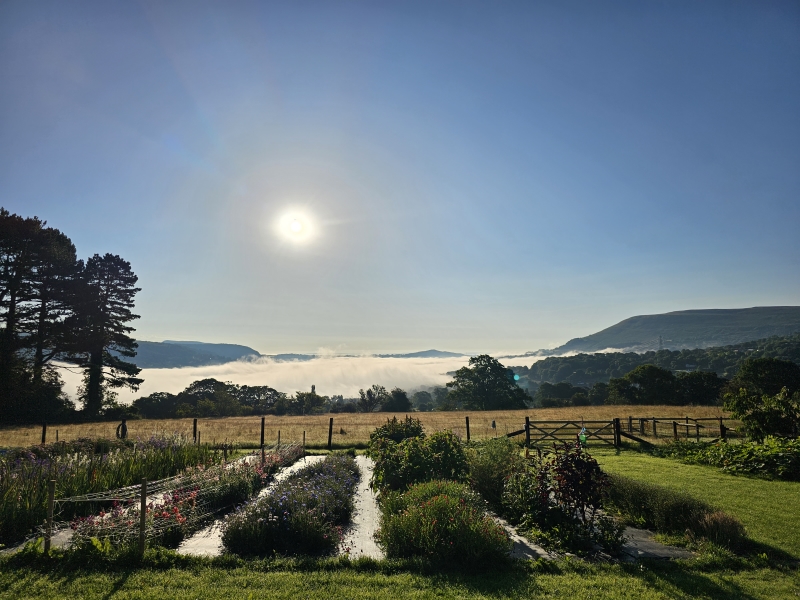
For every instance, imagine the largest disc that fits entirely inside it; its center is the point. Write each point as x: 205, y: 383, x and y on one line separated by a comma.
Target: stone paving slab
x: 640, y: 544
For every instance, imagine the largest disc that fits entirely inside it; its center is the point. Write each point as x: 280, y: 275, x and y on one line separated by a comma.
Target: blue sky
x: 469, y: 176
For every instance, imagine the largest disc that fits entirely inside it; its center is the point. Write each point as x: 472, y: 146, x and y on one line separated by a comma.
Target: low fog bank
x: 333, y: 375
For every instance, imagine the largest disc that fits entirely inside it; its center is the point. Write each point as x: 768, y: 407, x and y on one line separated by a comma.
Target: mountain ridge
x: 686, y: 329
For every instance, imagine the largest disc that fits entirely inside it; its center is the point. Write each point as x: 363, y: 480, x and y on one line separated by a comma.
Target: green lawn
x: 208, y: 580
x: 770, y: 510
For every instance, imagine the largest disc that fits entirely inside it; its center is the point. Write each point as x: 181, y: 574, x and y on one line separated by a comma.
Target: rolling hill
x: 687, y: 329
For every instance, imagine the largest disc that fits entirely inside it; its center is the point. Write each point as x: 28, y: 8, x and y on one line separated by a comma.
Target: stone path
x: 208, y: 541
x: 641, y: 544
x: 359, y: 538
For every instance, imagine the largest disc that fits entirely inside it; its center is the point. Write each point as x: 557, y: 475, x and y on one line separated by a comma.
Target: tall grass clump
x: 79, y: 470
x: 444, y: 522
x: 670, y: 511
x: 303, y: 514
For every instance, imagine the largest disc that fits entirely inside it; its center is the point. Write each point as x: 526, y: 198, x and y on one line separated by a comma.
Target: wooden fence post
x: 655, y: 433
x: 194, y: 432
x: 527, y: 432
x: 51, y: 494
x: 44, y: 433
x: 723, y: 431
x: 56, y: 436
x: 304, y: 444
x: 143, y: 517
x: 641, y: 426
x: 467, y: 418
x: 617, y: 435
x: 630, y: 424
x: 330, y: 434
x: 262, y: 432
x: 279, y: 437
x: 675, y: 430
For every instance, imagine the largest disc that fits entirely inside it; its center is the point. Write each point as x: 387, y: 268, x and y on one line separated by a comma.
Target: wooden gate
x: 549, y: 432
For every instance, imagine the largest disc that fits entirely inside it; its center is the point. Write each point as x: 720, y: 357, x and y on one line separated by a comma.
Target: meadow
x: 349, y: 429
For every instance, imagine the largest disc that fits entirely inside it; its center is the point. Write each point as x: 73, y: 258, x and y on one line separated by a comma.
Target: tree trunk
x: 94, y: 383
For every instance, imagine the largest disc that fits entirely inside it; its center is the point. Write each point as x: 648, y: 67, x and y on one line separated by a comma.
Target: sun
x: 295, y: 226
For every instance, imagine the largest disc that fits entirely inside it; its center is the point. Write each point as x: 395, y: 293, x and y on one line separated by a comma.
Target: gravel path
x: 359, y: 539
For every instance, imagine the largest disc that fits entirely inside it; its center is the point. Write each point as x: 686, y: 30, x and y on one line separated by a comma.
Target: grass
x: 349, y: 429
x: 229, y: 579
x: 768, y: 509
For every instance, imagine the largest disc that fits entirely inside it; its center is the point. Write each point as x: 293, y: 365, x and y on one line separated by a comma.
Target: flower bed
x: 84, y: 467
x: 196, y: 497
x: 302, y: 515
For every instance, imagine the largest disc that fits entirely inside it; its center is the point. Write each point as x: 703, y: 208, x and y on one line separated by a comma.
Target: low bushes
x: 775, y: 457
x: 444, y: 522
x: 671, y: 511
x: 417, y: 459
x: 559, y: 499
x: 490, y: 465
x: 397, y: 430
x: 301, y: 515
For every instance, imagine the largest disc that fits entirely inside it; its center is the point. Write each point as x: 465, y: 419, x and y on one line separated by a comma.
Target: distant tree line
x: 57, y: 308
x: 650, y: 385
x: 584, y: 370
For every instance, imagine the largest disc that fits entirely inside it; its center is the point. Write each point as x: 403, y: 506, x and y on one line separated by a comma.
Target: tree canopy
x: 486, y: 385
x: 56, y: 307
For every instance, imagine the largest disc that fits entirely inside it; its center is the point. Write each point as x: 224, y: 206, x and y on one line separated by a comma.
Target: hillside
x: 172, y: 354
x: 587, y: 369
x: 688, y: 329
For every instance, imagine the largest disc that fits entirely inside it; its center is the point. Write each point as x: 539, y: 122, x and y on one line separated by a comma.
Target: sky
x: 358, y: 177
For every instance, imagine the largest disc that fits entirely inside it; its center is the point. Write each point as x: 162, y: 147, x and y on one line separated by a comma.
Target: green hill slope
x: 689, y: 329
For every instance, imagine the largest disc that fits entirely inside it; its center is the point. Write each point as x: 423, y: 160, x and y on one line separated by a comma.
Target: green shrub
x: 775, y: 457
x: 418, y: 459
x: 670, y: 511
x: 397, y: 431
x: 490, y: 465
x: 447, y: 528
x: 559, y: 498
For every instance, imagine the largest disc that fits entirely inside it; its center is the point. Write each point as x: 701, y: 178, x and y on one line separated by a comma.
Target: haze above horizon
x: 385, y: 178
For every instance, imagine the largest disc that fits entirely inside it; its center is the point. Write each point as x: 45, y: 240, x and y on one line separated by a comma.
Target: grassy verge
x: 768, y: 509
x: 166, y: 575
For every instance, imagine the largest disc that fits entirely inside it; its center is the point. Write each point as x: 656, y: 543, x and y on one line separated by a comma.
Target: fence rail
x: 546, y: 432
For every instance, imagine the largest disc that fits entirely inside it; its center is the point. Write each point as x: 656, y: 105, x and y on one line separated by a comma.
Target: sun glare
x: 295, y: 226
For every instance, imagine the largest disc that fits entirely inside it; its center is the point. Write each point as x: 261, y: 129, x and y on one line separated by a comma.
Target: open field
x: 768, y: 509
x: 349, y: 429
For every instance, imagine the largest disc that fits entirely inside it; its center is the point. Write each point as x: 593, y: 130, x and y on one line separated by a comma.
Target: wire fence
x: 163, y: 512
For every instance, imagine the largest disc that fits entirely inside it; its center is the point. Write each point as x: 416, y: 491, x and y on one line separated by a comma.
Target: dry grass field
x: 349, y: 429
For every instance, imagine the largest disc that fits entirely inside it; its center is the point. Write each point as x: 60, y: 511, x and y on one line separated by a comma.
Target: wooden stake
x: 262, y: 432
x: 527, y: 432
x: 143, y: 517
x: 467, y: 418
x: 44, y: 433
x: 51, y: 495
x: 330, y: 434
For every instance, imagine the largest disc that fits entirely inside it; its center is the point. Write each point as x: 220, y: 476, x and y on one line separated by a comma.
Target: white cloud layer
x: 331, y: 375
